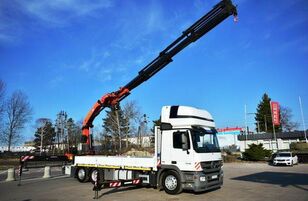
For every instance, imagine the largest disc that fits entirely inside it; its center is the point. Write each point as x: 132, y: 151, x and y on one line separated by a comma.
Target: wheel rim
x: 171, y: 182
x: 94, y: 175
x: 81, y: 174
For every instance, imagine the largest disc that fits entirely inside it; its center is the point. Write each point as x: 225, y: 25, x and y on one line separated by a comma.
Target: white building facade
x: 228, y: 137
x: 17, y: 148
x: 282, y: 141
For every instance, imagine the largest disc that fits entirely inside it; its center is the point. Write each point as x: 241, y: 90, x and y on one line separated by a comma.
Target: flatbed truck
x: 187, y: 156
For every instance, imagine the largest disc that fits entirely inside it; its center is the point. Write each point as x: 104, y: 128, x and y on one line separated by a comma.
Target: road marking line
x: 3, y: 172
x: 40, y: 178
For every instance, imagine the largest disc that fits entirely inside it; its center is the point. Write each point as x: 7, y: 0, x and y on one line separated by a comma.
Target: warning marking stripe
x: 136, y: 181
x: 158, y: 163
x: 24, y: 158
x: 198, y: 166
x: 115, y: 184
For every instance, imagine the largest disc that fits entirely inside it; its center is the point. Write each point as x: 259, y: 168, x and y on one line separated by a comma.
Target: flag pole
x: 245, y: 127
x: 302, y: 113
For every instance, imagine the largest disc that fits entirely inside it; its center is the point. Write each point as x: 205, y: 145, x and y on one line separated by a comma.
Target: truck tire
x: 172, y: 182
x: 93, y: 175
x: 82, y: 174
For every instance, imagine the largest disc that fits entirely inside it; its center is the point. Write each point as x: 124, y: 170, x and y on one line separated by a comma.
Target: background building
x: 228, y: 137
x: 17, y: 148
x: 284, y: 139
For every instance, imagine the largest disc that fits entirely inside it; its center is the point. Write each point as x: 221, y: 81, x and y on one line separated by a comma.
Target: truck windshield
x: 205, y: 140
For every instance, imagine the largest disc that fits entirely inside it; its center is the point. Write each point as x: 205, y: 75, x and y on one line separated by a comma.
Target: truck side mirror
x: 185, y: 144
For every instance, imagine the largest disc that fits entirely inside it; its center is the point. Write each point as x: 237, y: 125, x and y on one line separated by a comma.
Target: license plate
x: 214, y: 177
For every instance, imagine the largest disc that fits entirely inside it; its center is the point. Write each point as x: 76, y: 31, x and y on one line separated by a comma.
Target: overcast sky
x: 66, y: 54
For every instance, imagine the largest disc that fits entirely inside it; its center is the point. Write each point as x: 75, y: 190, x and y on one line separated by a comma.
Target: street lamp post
x: 142, y: 128
x: 258, y: 123
x: 42, y: 136
x: 42, y: 122
x: 119, y: 129
x: 245, y: 126
x: 302, y: 113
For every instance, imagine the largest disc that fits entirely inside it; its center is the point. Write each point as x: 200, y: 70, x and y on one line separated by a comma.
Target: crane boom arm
x: 220, y: 12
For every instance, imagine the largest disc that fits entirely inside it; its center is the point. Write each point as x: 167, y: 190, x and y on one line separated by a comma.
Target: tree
x: 106, y: 141
x: 115, y: 125
x: 17, y: 113
x: 73, y: 133
x: 131, y: 113
x: 156, y: 122
x: 45, y: 134
x: 264, y: 117
x: 60, y: 128
x: 256, y: 152
x: 286, y: 119
x: 2, y: 96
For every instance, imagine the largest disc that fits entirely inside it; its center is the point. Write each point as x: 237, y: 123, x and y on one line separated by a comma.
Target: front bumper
x: 200, y: 181
x: 285, y: 162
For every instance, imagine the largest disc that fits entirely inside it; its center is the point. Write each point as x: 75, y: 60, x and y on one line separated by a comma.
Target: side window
x: 177, y: 139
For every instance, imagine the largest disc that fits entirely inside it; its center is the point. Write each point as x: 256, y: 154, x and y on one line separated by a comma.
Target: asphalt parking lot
x: 243, y: 181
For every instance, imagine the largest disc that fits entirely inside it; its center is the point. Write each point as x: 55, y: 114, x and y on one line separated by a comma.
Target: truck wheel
x: 93, y: 175
x: 172, y: 182
x: 82, y: 174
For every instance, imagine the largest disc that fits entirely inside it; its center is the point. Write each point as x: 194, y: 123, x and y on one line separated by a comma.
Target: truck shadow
x: 117, y: 190
x: 29, y: 181
x: 283, y: 179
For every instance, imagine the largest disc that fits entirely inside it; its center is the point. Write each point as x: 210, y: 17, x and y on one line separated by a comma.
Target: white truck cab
x: 187, y: 155
x: 190, y: 147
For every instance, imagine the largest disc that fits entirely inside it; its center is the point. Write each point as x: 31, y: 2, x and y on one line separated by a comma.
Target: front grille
x: 211, y: 166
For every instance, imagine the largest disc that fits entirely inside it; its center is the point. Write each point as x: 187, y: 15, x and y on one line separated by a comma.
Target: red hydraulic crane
x: 220, y: 12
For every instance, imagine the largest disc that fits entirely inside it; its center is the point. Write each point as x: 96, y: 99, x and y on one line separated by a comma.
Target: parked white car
x: 285, y: 158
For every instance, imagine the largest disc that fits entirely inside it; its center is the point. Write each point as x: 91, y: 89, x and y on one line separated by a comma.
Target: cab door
x: 177, y: 149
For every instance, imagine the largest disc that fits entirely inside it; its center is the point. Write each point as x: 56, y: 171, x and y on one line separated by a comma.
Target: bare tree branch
x: 132, y: 111
x: 286, y: 119
x: 17, y: 113
x: 2, y: 96
x: 131, y: 114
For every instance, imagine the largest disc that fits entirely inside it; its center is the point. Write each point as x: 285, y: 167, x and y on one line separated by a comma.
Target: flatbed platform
x: 117, y: 162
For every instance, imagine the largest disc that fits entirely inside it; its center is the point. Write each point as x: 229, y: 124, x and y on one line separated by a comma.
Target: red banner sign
x: 275, y: 113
